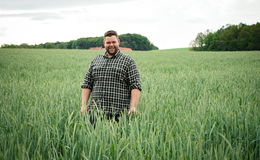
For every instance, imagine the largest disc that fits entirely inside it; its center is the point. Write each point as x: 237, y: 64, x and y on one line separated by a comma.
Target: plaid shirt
x: 111, y: 81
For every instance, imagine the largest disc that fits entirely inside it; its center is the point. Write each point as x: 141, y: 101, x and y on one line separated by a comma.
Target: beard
x: 112, y: 50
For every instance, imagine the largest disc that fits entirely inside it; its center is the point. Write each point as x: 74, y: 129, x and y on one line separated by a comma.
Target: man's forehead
x: 111, y: 38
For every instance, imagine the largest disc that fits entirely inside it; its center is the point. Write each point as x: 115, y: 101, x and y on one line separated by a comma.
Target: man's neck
x: 109, y: 55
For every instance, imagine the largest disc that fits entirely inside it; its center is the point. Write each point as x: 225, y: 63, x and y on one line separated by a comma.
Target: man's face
x: 111, y: 44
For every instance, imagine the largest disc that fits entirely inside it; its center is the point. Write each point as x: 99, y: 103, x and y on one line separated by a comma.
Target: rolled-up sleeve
x: 88, y: 79
x: 134, y: 76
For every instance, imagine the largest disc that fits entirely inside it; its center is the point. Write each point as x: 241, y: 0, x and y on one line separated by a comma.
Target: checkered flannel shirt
x: 111, y: 81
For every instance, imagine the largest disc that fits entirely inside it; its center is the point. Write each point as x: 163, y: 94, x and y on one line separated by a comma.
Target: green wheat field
x: 194, y: 105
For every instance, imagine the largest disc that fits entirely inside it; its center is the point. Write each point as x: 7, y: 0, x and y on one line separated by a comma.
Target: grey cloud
x: 49, y: 4
x: 34, y: 16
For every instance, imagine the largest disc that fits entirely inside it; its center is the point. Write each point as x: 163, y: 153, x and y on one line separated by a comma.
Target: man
x: 113, y: 81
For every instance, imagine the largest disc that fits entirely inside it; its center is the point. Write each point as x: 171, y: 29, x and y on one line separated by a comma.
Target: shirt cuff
x: 135, y: 86
x: 86, y: 86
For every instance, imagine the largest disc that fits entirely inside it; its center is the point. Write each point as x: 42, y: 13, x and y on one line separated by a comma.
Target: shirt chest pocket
x: 116, y: 73
x: 109, y: 73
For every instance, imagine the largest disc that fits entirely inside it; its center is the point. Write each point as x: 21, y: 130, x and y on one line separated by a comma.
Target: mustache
x: 115, y: 49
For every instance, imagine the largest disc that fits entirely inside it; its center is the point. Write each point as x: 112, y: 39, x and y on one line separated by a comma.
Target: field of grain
x: 194, y: 105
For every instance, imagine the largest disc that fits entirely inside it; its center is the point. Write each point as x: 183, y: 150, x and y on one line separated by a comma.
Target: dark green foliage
x: 133, y: 41
x: 229, y: 38
x: 86, y: 43
x: 136, y: 42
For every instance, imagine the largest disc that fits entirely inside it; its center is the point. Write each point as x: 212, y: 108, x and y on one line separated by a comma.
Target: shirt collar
x: 118, y: 53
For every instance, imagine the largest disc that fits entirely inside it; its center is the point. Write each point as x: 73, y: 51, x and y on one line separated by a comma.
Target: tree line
x: 133, y: 41
x: 229, y: 38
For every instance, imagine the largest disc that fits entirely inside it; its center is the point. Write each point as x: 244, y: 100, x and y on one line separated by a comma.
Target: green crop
x: 194, y: 105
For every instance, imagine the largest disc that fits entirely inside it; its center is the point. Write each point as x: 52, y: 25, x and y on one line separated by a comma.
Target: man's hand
x: 84, y: 102
x: 135, y: 94
x: 84, y: 109
x: 132, y: 110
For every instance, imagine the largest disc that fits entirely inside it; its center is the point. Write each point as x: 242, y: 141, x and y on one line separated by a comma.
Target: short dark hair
x: 110, y: 33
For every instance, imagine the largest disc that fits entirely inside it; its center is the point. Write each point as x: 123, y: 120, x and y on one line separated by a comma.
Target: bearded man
x: 112, y: 80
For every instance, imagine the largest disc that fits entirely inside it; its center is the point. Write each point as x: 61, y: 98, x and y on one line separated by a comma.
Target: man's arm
x: 135, y: 94
x: 85, y: 96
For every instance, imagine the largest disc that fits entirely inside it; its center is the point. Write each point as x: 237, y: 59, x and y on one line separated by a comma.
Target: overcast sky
x: 166, y: 23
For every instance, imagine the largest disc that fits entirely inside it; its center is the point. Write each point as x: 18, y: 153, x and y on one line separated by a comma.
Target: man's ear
x: 118, y: 40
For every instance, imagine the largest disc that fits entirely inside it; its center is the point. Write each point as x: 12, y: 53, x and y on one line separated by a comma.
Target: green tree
x: 49, y: 45
x: 136, y: 42
x: 199, y: 42
x: 229, y: 38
